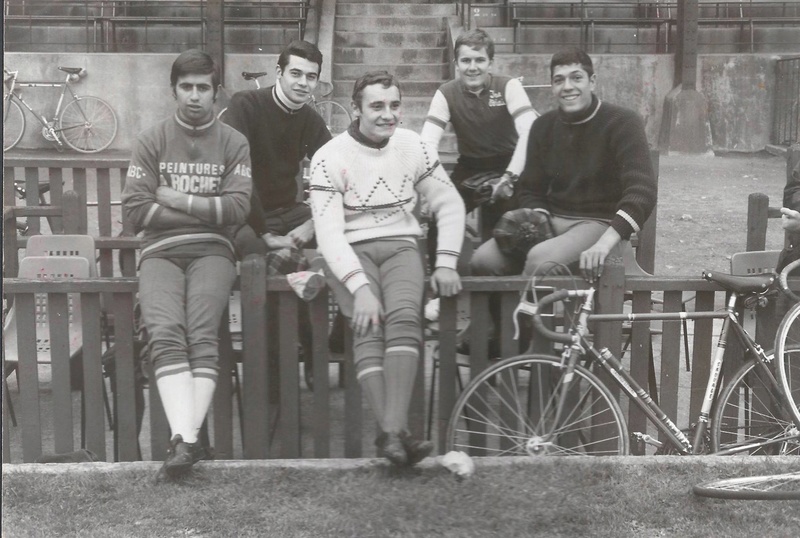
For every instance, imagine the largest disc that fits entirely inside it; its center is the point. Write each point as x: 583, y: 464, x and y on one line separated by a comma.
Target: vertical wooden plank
x: 416, y: 411
x: 353, y: 416
x: 670, y: 357
x: 70, y: 203
x: 79, y: 186
x: 289, y: 430
x: 757, y: 219
x: 507, y: 390
x: 254, y: 350
x: 478, y: 361
x: 29, y: 413
x: 32, y: 198
x: 640, y: 348
x: 56, y: 194
x: 320, y: 418
x: 58, y: 320
x: 9, y: 193
x: 125, y: 430
x: 6, y: 421
x: 93, y: 374
x: 448, y: 314
x: 223, y: 396
x: 104, y: 219
x: 10, y: 246
x: 701, y: 352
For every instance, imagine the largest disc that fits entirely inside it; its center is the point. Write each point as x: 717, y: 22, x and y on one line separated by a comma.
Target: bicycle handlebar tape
x: 538, y: 324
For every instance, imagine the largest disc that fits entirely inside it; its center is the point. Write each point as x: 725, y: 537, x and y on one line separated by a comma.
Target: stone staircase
x: 408, y: 39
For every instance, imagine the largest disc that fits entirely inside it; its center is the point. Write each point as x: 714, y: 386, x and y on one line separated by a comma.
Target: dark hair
x: 475, y: 39
x: 301, y: 49
x: 572, y: 56
x: 195, y: 62
x: 386, y: 79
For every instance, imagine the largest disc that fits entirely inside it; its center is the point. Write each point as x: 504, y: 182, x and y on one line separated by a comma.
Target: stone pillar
x: 684, y: 125
x: 216, y: 32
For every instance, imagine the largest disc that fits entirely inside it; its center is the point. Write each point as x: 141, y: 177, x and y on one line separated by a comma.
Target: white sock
x: 203, y: 395
x: 177, y: 392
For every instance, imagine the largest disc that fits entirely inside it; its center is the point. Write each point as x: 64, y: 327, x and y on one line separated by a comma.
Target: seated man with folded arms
x: 588, y: 167
x: 491, y: 116
x: 364, y: 189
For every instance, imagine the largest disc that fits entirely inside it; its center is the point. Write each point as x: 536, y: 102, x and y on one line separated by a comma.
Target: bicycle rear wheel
x: 88, y: 124
x: 13, y: 123
x: 751, y: 417
x: 787, y: 344
x: 336, y: 117
x: 510, y: 410
x: 776, y: 487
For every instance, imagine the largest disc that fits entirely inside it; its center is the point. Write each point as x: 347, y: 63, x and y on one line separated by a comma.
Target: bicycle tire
x: 13, y: 123
x: 496, y: 417
x: 749, y: 414
x: 221, y: 113
x: 87, y: 124
x: 337, y: 117
x: 787, y: 342
x: 783, y: 278
x: 776, y: 487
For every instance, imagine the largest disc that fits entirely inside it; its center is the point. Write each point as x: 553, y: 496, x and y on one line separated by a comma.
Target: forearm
x: 523, y: 125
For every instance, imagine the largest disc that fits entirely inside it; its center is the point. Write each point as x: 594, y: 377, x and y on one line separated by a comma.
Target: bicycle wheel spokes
x: 13, y: 123
x: 787, y: 354
x: 512, y: 409
x: 784, y: 486
x: 88, y: 124
x: 336, y: 116
x: 751, y: 417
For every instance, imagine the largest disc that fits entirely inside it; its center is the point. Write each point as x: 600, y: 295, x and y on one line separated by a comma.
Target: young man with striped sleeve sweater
x: 365, y: 184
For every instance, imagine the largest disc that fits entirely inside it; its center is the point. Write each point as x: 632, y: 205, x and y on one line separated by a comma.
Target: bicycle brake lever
x: 526, y: 308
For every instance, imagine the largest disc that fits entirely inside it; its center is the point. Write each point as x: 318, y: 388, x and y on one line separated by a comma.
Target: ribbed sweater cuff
x: 447, y: 260
x: 624, y: 224
x: 356, y: 281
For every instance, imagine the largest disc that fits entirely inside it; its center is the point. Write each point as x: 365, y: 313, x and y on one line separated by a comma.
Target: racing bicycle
x: 85, y: 123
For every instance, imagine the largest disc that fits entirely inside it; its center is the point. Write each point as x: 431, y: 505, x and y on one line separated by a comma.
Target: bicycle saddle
x: 742, y: 284
x: 247, y: 75
x: 71, y: 70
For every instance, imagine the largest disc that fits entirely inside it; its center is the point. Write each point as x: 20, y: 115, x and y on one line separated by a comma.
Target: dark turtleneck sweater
x: 594, y: 164
x: 279, y: 139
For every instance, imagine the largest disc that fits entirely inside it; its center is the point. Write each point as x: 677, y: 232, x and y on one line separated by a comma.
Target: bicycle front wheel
x: 751, y: 416
x: 787, y: 344
x: 88, y: 124
x: 511, y: 409
x: 13, y: 123
x: 776, y: 487
x: 336, y: 117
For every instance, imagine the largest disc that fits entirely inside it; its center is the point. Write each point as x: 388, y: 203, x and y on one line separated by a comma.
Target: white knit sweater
x: 360, y: 193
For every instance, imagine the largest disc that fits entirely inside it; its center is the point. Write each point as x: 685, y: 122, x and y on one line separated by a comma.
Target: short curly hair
x: 384, y: 78
x: 195, y: 62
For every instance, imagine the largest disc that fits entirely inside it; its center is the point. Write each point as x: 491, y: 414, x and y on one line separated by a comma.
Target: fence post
x: 71, y: 209
x: 254, y: 352
x: 757, y: 217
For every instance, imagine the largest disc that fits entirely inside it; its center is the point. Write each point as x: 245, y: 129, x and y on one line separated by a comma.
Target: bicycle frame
x: 579, y: 346
x: 48, y: 125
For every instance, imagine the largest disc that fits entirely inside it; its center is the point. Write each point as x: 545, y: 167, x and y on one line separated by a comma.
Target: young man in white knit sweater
x: 364, y: 187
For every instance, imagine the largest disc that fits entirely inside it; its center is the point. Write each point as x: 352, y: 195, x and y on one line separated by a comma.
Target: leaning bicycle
x: 545, y: 405
x: 85, y: 123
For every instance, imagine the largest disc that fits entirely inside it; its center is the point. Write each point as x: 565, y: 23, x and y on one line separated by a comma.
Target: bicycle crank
x: 538, y: 446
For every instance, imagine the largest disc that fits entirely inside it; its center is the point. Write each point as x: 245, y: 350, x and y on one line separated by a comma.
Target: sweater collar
x: 194, y: 128
x: 356, y: 133
x: 285, y: 104
x: 583, y: 116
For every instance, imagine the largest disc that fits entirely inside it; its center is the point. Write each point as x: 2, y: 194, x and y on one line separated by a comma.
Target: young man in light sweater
x: 365, y: 184
x: 188, y: 186
x: 588, y: 167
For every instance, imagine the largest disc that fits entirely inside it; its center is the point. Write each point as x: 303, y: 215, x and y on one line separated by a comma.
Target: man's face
x: 572, y: 87
x: 473, y: 67
x: 195, y: 96
x: 379, y: 112
x: 298, y: 79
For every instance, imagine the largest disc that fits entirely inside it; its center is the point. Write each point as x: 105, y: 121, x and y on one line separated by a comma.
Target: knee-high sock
x: 369, y: 372
x: 400, y: 371
x: 176, y: 390
x: 205, y: 382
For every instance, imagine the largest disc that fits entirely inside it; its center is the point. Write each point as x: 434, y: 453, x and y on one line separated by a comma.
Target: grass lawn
x: 642, y: 497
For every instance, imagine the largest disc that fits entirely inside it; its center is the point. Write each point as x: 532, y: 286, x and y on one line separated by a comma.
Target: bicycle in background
x: 545, y: 405
x: 86, y: 123
x: 337, y: 117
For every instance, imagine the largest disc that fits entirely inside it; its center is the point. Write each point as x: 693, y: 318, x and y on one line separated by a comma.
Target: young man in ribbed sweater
x: 365, y: 184
x: 188, y: 186
x: 588, y: 167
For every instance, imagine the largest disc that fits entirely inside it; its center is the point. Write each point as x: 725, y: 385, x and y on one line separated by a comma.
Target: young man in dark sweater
x: 282, y: 131
x: 588, y: 167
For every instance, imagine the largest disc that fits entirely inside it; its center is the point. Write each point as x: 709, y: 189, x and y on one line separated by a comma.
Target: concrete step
x: 428, y: 55
x: 403, y: 71
x: 410, y: 88
x: 395, y: 9
x: 389, y: 39
x: 390, y: 24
